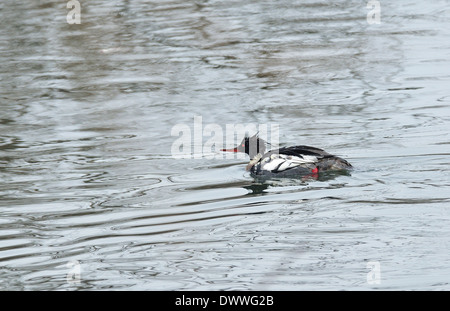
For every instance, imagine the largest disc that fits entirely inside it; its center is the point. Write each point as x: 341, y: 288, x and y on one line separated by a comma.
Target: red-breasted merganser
x: 287, y: 161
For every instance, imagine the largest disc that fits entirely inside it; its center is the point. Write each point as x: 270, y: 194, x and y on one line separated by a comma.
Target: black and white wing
x: 292, y: 157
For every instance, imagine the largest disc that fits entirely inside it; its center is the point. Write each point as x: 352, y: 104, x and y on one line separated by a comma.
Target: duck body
x: 296, y: 161
x: 288, y: 161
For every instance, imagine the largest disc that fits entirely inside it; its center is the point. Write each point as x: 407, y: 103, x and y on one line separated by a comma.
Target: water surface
x: 88, y: 186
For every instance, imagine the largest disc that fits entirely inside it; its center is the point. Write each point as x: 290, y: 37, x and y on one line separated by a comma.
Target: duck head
x: 250, y: 145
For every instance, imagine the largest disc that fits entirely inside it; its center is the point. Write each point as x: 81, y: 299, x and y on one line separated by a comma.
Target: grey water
x: 91, y: 197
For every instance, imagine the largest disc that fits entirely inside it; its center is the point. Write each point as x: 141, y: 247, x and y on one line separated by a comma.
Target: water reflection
x: 256, y: 188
